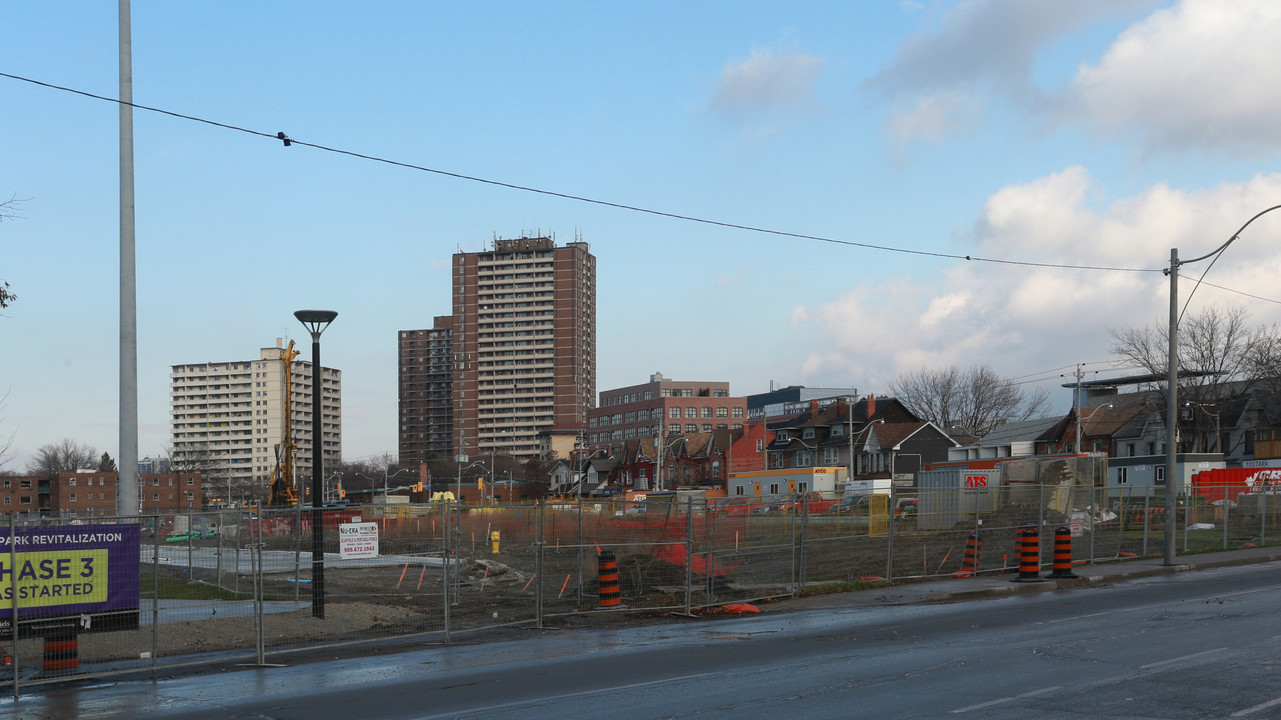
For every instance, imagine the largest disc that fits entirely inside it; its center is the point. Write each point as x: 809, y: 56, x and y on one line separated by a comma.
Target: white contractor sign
x: 357, y: 540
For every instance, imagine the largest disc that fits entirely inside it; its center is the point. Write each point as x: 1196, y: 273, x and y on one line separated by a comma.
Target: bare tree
x: 1217, y: 341
x: 6, y: 443
x: 8, y: 211
x: 195, y: 457
x: 64, y: 457
x: 974, y: 401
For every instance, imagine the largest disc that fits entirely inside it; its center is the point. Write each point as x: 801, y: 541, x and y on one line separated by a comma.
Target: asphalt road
x: 1199, y: 644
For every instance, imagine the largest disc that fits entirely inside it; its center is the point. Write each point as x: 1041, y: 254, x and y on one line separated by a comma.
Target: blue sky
x: 1085, y: 133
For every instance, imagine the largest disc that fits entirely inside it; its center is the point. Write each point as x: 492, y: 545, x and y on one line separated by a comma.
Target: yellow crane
x: 282, y: 478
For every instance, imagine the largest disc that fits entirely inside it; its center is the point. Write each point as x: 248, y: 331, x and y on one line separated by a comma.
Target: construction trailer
x: 788, y: 481
x: 954, y: 493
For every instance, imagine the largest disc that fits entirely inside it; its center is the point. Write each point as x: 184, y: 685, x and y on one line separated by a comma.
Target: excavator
x: 282, y: 491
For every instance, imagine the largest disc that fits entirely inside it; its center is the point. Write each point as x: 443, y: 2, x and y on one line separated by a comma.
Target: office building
x: 677, y: 406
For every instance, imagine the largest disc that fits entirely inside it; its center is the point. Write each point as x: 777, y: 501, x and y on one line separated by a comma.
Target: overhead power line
x: 289, y: 141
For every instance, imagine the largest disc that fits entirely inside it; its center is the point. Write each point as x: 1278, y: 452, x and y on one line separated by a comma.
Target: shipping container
x: 1227, y: 483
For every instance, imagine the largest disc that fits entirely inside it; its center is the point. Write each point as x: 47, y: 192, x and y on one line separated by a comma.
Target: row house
x: 1245, y: 430
x: 700, y: 459
x: 868, y: 437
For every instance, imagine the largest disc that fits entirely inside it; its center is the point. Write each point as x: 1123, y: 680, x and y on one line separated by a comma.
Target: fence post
x: 1094, y: 512
x: 1186, y: 508
x: 445, y: 533
x: 297, y: 545
x: 250, y: 529
x: 803, y: 570
x: 791, y: 522
x: 1263, y: 519
x: 580, y: 552
x: 689, y: 555
x: 155, y: 595
x: 13, y: 596
x: 260, y: 640
x: 709, y: 546
x: 1040, y: 512
x: 889, y: 537
x: 1147, y: 518
x: 1226, y: 511
x: 539, y: 544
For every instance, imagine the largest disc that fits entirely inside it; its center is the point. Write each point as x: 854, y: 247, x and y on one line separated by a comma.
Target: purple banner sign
x: 70, y: 578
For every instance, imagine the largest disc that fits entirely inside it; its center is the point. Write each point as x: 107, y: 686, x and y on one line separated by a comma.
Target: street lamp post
x: 459, y: 498
x: 1213, y: 416
x: 459, y: 459
x: 316, y: 321
x: 334, y: 494
x: 385, y: 478
x: 1081, y: 420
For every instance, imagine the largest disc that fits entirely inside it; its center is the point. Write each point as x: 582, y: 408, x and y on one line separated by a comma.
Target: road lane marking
x: 1161, y: 604
x: 1003, y: 700
x: 1256, y: 708
x: 1171, y: 661
x: 563, y: 696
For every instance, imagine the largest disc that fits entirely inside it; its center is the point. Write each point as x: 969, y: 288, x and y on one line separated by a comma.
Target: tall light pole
x: 127, y: 482
x: 316, y: 321
x: 1172, y: 382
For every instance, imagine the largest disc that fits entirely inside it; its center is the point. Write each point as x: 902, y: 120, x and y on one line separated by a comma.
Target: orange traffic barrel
x: 1029, y: 547
x: 61, y: 654
x: 1063, y: 554
x: 970, y: 563
x: 611, y: 594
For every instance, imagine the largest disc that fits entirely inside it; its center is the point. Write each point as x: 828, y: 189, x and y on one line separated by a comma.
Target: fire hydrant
x: 493, y: 543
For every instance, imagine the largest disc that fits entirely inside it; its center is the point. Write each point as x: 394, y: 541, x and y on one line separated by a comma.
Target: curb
x: 999, y: 585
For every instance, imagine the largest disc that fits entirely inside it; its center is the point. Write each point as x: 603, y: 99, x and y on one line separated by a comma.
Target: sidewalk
x: 995, y: 584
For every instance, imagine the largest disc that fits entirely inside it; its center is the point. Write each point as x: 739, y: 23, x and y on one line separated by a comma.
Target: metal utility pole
x: 1172, y: 380
x: 849, y: 477
x: 1171, y: 411
x: 127, y: 479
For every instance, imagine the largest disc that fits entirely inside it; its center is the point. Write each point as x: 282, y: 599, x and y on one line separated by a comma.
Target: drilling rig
x: 282, y: 491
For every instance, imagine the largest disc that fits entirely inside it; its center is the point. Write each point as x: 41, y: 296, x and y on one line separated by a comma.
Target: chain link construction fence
x: 128, y: 595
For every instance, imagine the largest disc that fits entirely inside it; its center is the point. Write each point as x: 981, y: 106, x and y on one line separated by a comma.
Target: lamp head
x: 315, y: 320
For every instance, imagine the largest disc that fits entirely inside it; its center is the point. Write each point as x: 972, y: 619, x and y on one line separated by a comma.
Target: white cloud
x: 766, y: 85
x: 931, y: 117
x: 1199, y: 74
x: 942, y: 79
x: 1023, y: 319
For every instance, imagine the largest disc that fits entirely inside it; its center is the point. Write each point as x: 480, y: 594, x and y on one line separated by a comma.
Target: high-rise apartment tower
x: 523, y: 334
x: 227, y: 418
x: 426, y: 391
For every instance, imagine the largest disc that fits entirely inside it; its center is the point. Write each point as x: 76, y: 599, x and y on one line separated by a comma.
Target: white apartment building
x: 227, y: 418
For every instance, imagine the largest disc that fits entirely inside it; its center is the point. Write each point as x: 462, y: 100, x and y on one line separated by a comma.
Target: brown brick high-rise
x: 524, y: 346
